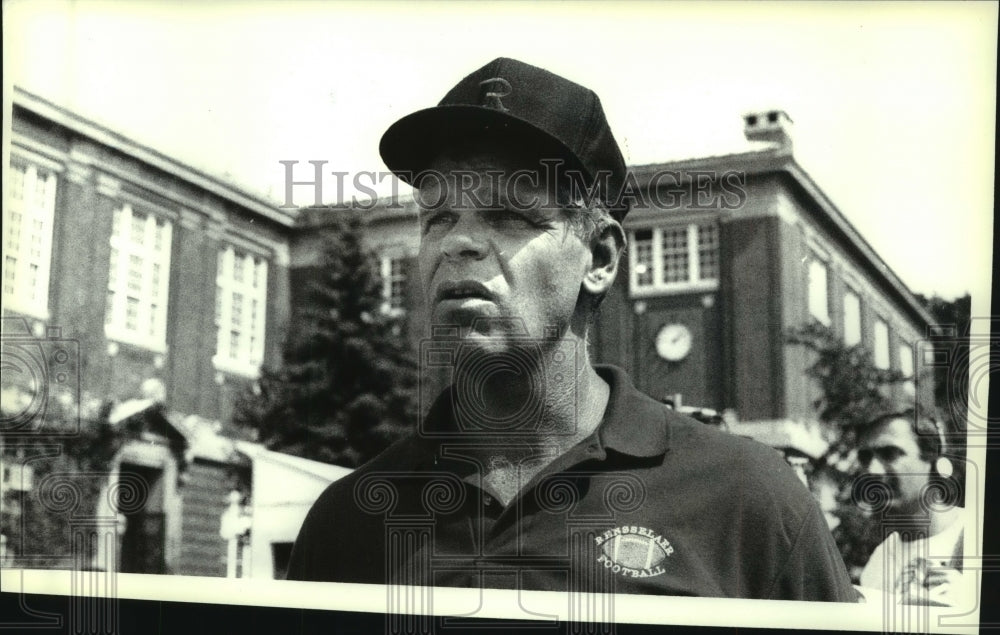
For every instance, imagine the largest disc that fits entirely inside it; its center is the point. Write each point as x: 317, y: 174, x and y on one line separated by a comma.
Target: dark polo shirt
x: 652, y: 502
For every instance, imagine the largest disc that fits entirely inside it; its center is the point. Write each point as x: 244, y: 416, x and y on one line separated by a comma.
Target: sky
x: 894, y: 104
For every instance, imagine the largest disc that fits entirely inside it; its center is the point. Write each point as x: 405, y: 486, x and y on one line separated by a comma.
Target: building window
x: 281, y: 554
x: 240, y: 301
x: 819, y: 306
x: 138, y: 278
x: 852, y: 318
x: 393, y: 272
x: 28, y: 219
x: 674, y: 258
x: 675, y: 255
x: 17, y: 477
x: 906, y: 367
x: 708, y: 252
x: 642, y: 271
x: 881, y: 356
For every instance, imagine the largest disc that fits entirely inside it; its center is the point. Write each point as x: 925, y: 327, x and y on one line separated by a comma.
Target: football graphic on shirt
x: 633, y: 551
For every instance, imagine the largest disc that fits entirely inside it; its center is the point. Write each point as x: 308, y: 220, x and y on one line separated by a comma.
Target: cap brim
x: 411, y: 144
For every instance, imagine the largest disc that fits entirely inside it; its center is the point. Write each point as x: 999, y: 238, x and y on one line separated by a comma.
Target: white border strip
x: 502, y: 604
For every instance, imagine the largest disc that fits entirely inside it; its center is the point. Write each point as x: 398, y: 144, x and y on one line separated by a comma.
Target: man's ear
x: 606, y: 250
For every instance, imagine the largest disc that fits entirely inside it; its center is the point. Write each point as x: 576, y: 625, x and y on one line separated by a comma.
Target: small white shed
x: 284, y: 488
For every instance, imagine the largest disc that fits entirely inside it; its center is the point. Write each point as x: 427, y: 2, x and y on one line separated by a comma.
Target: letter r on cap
x: 491, y: 98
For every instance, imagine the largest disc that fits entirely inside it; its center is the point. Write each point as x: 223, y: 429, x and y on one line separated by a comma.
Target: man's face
x: 486, y: 253
x: 890, y: 452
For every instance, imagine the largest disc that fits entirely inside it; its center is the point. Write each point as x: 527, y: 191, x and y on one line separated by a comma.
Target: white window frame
x: 385, y: 271
x: 848, y: 340
x: 906, y: 367
x: 252, y: 326
x: 821, y: 311
x: 16, y: 476
x: 27, y: 257
x: 880, y: 343
x: 658, y: 286
x: 153, y: 255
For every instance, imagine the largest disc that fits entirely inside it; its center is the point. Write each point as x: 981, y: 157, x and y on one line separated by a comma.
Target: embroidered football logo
x: 635, y: 552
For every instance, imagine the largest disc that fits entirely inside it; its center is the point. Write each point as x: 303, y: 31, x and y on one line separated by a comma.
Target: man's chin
x: 470, y: 319
x: 481, y: 331
x: 479, y: 334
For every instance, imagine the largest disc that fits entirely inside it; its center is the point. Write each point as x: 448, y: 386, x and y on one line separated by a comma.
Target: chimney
x: 769, y: 125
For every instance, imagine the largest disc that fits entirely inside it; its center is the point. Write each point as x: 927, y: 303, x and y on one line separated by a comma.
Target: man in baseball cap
x: 513, y: 104
x: 536, y: 469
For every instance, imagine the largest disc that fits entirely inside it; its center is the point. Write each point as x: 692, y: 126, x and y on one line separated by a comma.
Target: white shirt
x: 899, y: 567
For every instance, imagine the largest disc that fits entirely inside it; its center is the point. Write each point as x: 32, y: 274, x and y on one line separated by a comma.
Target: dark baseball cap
x: 508, y: 101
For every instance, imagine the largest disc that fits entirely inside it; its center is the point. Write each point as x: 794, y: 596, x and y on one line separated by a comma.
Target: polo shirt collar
x: 633, y: 423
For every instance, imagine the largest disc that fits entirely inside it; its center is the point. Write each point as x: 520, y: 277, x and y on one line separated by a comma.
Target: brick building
x: 157, y: 269
x: 722, y: 264
x: 132, y: 279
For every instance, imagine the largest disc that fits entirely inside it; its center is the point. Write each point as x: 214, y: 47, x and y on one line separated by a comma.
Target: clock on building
x: 673, y: 342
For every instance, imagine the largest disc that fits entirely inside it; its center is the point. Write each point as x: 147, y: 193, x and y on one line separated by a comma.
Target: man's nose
x: 465, y: 239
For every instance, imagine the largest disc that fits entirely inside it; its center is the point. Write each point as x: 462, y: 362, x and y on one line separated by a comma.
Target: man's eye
x: 510, y: 218
x: 438, y: 220
x: 889, y: 454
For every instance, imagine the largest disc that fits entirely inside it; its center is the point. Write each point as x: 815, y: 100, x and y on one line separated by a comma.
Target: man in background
x: 921, y: 563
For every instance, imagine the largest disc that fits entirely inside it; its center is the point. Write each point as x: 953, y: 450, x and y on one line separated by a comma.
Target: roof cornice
x: 118, y: 142
x: 832, y: 214
x: 778, y: 159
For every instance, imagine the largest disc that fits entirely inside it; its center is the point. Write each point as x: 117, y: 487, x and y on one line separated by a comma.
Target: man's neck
x: 547, y: 393
x: 938, y: 521
x: 544, y: 414
x: 942, y: 520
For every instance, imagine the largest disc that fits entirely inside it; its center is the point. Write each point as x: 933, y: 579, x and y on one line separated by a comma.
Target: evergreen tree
x: 346, y: 387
